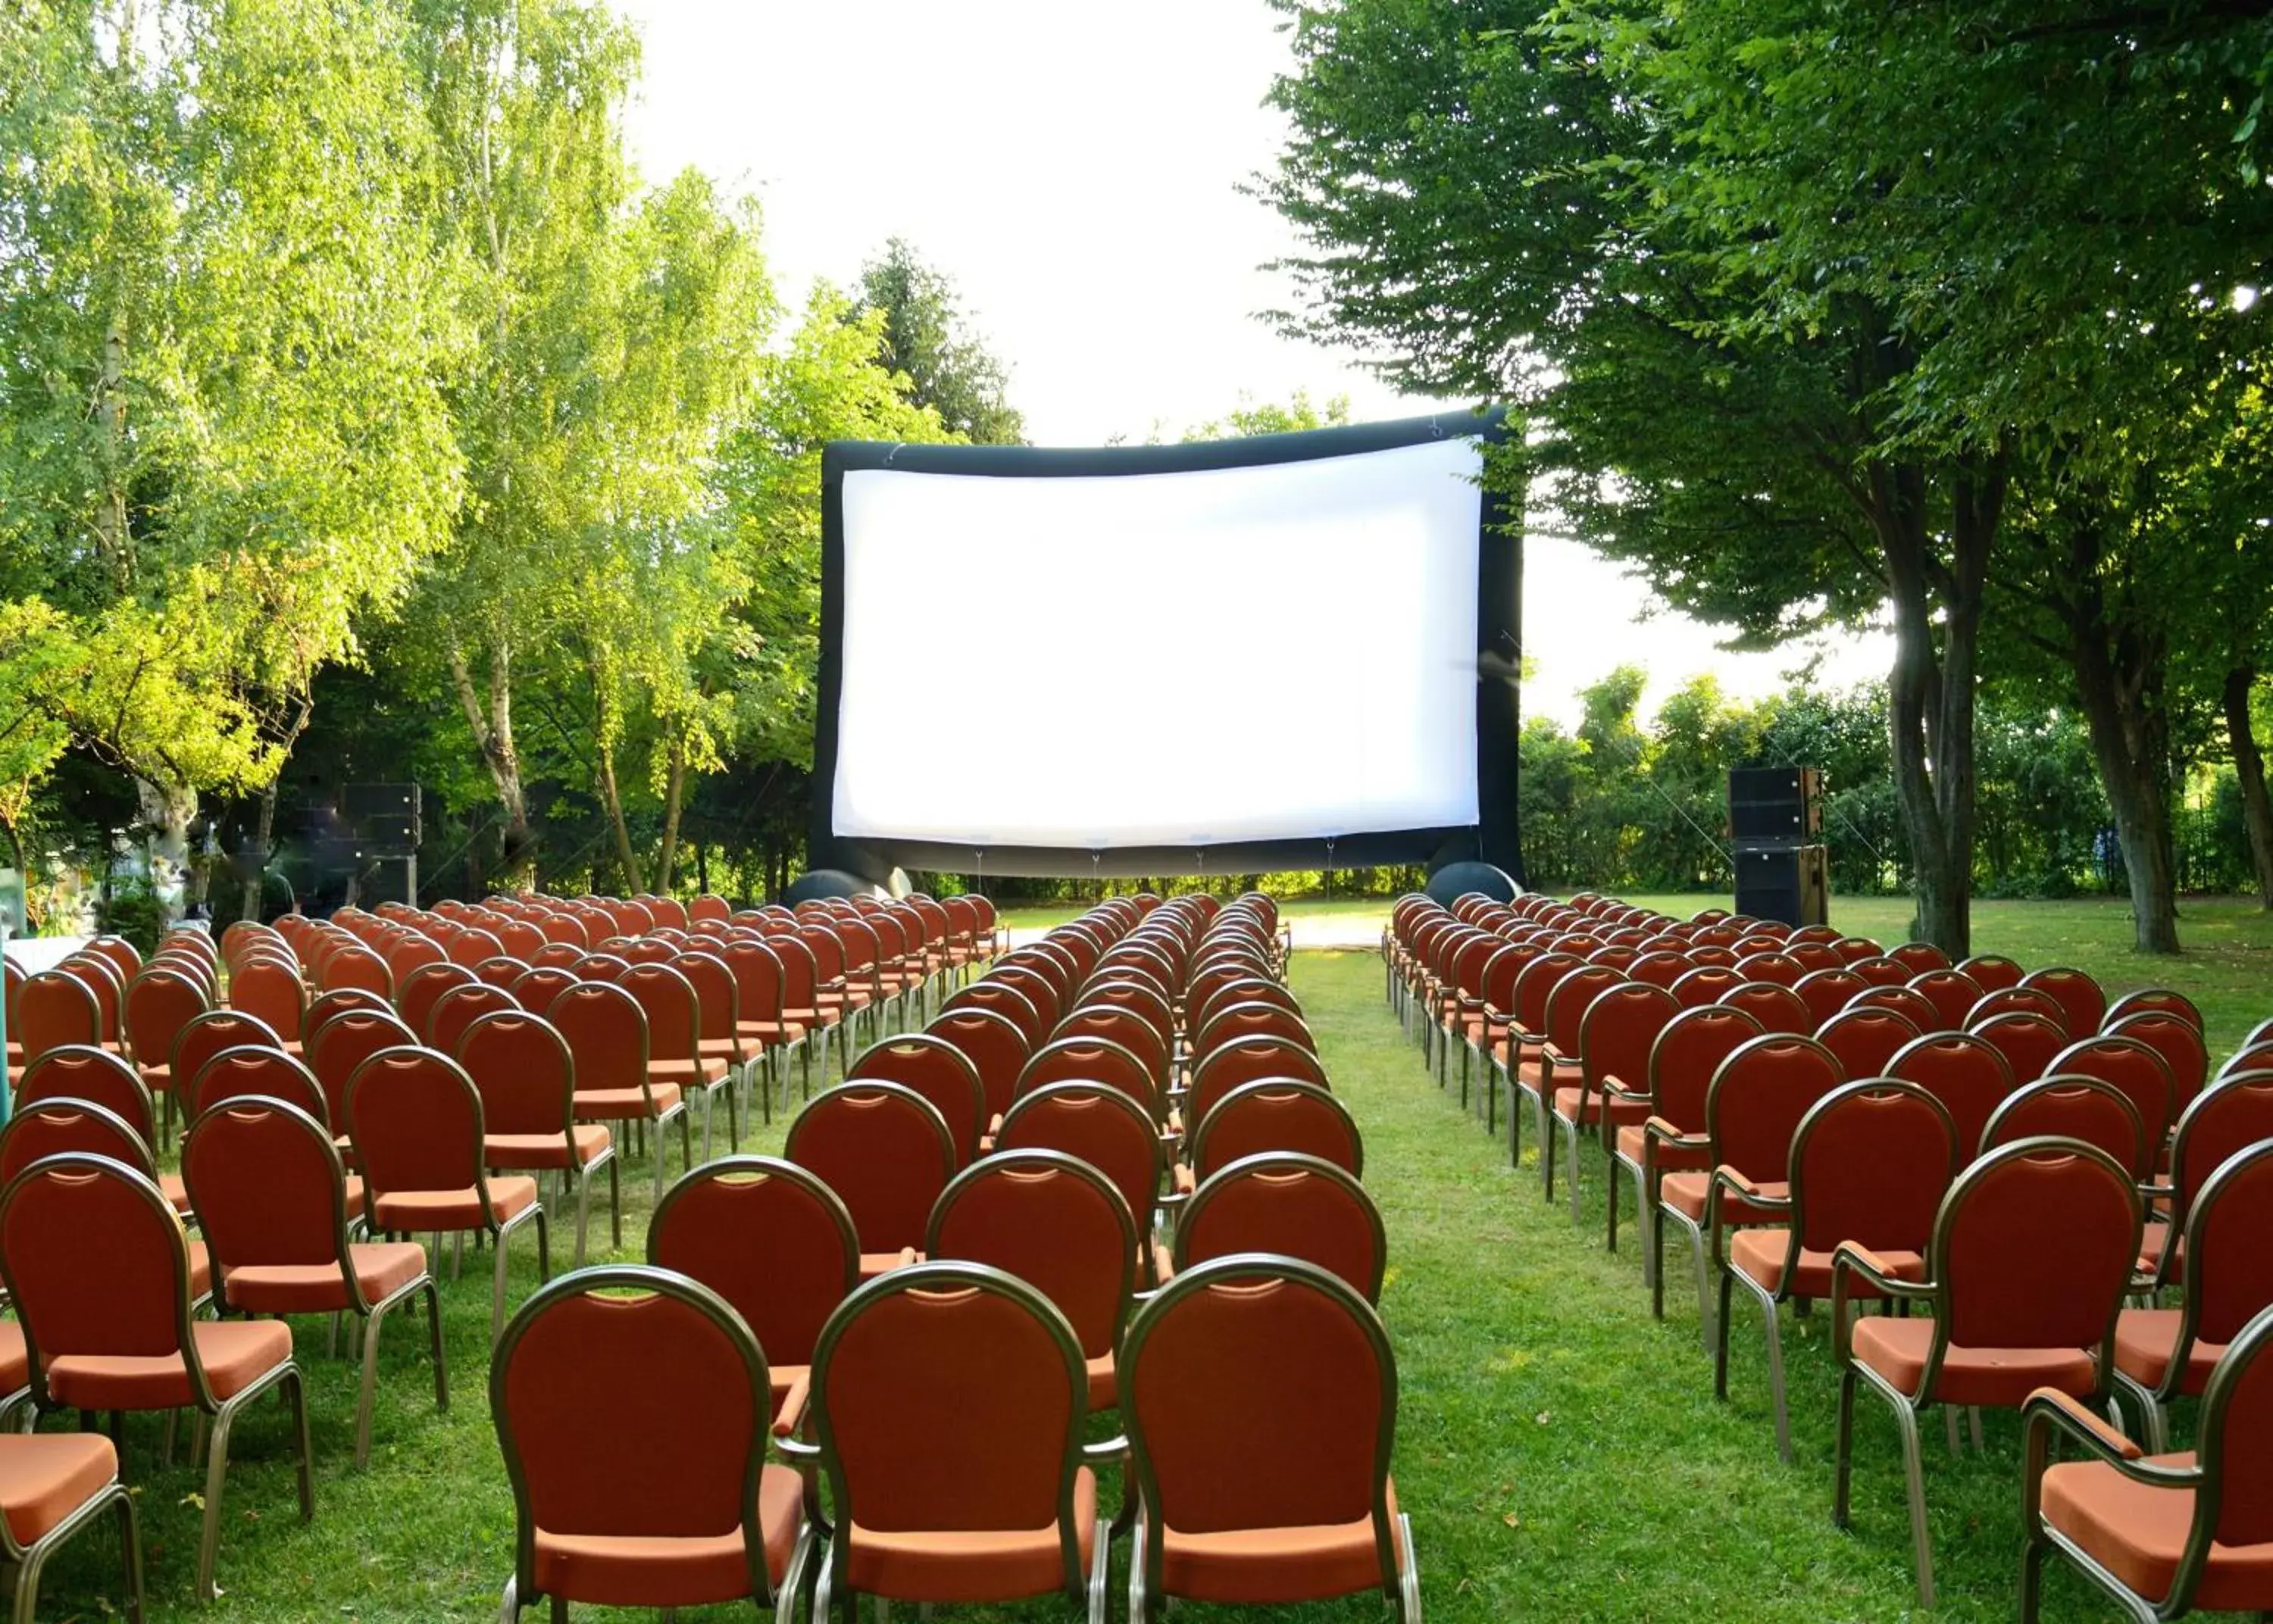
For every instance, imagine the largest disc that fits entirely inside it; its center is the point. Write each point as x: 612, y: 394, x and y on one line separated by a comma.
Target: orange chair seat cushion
x: 1999, y: 1377
x: 953, y: 1565
x: 875, y: 1263
x: 680, y: 1074
x: 1184, y: 1178
x: 417, y: 1210
x: 769, y: 1032
x: 158, y: 1079
x: 1103, y: 1383
x: 382, y: 1269
x: 45, y: 1477
x: 2136, y: 1532
x: 661, y: 1571
x: 807, y: 1019
x: 2145, y: 1338
x: 1761, y: 1254
x: 1671, y: 1158
x: 235, y: 1354
x: 546, y: 1150
x: 1266, y: 1567
x: 177, y: 1192
x: 1537, y: 1074
x: 732, y: 1051
x: 15, y: 1357
x: 623, y: 1105
x: 1686, y: 1191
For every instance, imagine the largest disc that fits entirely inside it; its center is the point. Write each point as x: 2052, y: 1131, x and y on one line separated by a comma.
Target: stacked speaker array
x: 1775, y: 827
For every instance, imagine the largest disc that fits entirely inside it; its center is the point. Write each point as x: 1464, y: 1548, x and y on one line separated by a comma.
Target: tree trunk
x: 612, y: 800
x: 166, y: 810
x: 1930, y: 692
x: 2249, y: 768
x: 256, y: 888
x: 673, y: 797
x: 703, y: 868
x: 492, y: 729
x: 2118, y: 676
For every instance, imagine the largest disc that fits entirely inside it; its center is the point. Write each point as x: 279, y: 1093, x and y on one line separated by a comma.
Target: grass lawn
x: 1560, y: 1453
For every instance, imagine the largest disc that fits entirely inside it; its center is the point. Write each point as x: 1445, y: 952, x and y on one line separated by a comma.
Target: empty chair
x: 2030, y: 1042
x: 947, y: 1404
x: 2032, y: 1254
x: 1966, y: 1072
x: 776, y: 1244
x: 98, y: 1268
x: 333, y: 1049
x: 2005, y: 1000
x: 56, y: 1124
x: 2164, y: 1000
x: 994, y: 1044
x: 51, y: 1009
x: 1952, y: 993
x: 886, y: 1153
x: 1085, y: 1059
x: 1914, y: 1006
x: 416, y: 1118
x: 51, y: 1488
x: 2177, y: 1040
x: 2225, y: 1280
x: 459, y: 1007
x: 1777, y: 1009
x: 1058, y: 1224
x: 270, y: 1200
x: 606, y: 1033
x: 2166, y: 1536
x: 253, y: 1068
x: 1991, y: 971
x: 521, y: 1068
x: 2137, y: 1070
x: 160, y: 1002
x: 1866, y: 1038
x: 1275, y: 1114
x: 1102, y: 1125
x: 2084, y: 1109
x: 671, y: 1502
x: 1291, y: 1205
x: 1828, y: 991
x: 939, y: 1072
x: 272, y: 990
x: 1757, y: 1097
x: 2078, y: 993
x: 1615, y: 1034
x: 420, y: 989
x: 1261, y: 1422
x: 1870, y: 1163
x: 674, y: 1040
x: 1918, y: 957
x: 1682, y: 1063
x: 1245, y: 1061
x: 2220, y: 1124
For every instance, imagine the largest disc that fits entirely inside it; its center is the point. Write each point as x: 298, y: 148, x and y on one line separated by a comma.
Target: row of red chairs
x: 945, y: 1391
x: 2017, y: 1177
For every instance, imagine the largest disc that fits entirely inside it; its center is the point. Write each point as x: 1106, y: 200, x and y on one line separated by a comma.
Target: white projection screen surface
x: 1054, y: 666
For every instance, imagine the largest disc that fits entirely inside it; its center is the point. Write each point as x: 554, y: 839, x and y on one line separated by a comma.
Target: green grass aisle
x: 1560, y: 1453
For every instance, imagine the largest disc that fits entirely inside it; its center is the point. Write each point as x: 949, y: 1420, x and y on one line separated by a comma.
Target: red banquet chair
x: 2031, y: 1256
x: 520, y: 1066
x: 416, y: 1117
x: 1058, y: 1224
x: 1290, y: 1205
x: 2164, y: 1535
x: 606, y: 1031
x: 97, y: 1266
x: 270, y: 1200
x: 1682, y: 1062
x: 1098, y: 1124
x: 947, y: 1485
x: 886, y: 1153
x: 1617, y: 1031
x: 939, y: 1072
x: 1259, y: 1394
x: 673, y: 1503
x: 1870, y: 1163
x: 777, y: 1244
x: 1275, y: 1114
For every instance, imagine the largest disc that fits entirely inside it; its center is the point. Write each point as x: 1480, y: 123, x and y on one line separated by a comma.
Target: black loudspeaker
x: 383, y: 816
x: 1455, y: 880
x: 1778, y: 805
x: 1791, y: 884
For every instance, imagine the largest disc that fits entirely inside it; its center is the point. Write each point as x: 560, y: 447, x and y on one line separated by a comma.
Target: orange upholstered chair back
x: 769, y: 1237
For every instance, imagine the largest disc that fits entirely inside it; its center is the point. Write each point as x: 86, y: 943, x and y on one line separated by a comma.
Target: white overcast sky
x: 1074, y: 166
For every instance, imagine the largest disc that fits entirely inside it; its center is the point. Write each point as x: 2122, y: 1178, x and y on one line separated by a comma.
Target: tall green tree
x: 928, y: 341
x: 222, y: 441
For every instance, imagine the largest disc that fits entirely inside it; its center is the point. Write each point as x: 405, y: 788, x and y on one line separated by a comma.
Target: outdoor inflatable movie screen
x: 1289, y: 651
